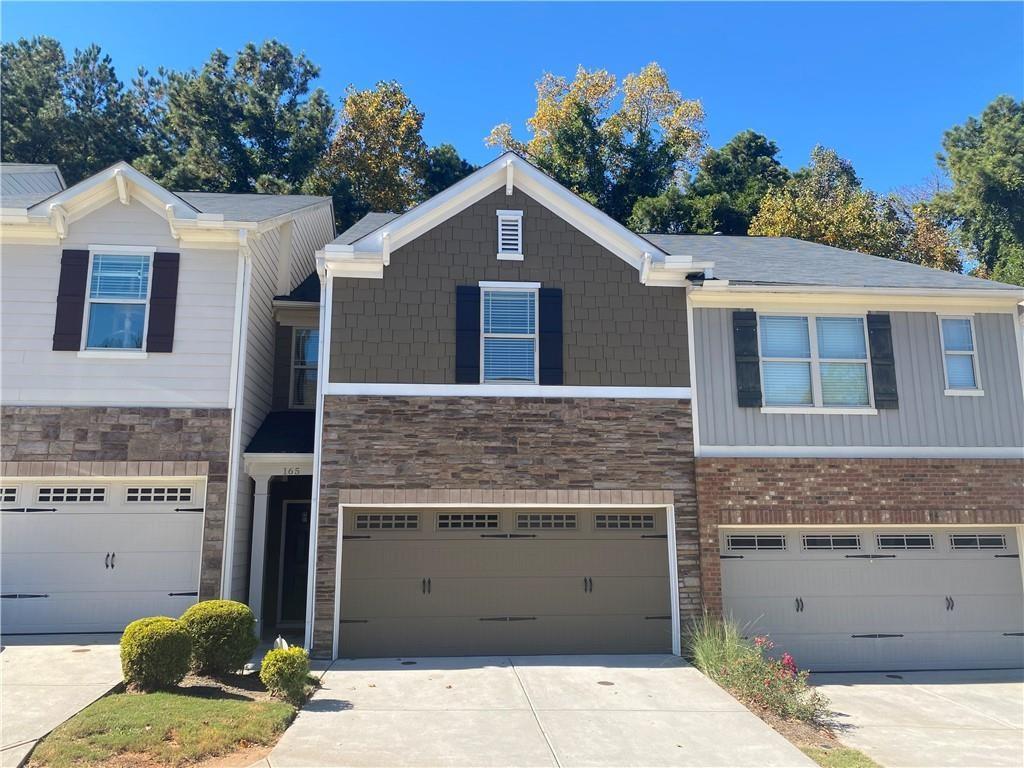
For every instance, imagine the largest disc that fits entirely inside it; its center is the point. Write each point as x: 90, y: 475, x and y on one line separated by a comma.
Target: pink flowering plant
x: 754, y: 672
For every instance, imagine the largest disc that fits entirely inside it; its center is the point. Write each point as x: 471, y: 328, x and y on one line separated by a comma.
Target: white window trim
x: 497, y: 287
x: 508, y: 255
x: 949, y: 391
x: 291, y: 371
x: 101, y: 352
x: 817, y: 407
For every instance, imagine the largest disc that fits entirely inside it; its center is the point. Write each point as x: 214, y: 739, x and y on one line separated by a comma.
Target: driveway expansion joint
x: 533, y: 711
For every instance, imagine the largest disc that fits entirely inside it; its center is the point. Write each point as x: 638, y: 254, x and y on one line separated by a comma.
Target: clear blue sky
x: 879, y: 82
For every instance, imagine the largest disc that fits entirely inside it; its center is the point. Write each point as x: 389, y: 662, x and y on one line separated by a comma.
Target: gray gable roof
x: 248, y: 207
x: 364, y: 226
x: 781, y: 261
x: 25, y: 184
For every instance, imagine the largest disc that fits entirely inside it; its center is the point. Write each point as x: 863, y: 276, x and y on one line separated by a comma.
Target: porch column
x: 259, y: 546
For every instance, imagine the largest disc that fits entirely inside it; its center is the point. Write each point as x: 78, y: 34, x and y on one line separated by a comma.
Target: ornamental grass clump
x: 753, y: 674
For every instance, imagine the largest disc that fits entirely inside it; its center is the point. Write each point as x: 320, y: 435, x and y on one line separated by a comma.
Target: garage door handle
x: 799, y: 604
x: 106, y: 563
x: 423, y: 586
x: 113, y: 557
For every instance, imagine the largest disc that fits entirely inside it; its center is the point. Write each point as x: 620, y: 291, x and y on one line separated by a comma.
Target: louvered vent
x: 55, y: 494
x: 510, y: 234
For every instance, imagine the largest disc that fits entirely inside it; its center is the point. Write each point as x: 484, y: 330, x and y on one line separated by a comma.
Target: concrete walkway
x: 527, y: 711
x: 44, y: 680
x: 912, y: 719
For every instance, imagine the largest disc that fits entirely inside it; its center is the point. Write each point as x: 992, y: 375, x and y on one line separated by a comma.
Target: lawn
x: 175, y: 728
x: 839, y: 757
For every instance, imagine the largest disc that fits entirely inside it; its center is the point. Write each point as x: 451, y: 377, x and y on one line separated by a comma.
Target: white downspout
x: 238, y: 398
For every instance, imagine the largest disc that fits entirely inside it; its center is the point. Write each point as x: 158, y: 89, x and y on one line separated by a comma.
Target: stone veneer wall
x: 764, y: 491
x: 503, y: 445
x: 70, y: 441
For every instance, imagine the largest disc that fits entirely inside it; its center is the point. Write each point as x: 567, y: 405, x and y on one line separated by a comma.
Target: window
x: 305, y: 346
x: 814, y: 361
x: 959, y: 354
x: 510, y: 235
x: 771, y: 542
x: 388, y: 522
x: 977, y: 541
x: 905, y: 541
x: 831, y: 541
x: 8, y: 494
x: 561, y: 520
x: 156, y: 494
x: 623, y: 521
x: 509, y: 325
x: 52, y: 494
x: 118, y: 298
x: 451, y: 520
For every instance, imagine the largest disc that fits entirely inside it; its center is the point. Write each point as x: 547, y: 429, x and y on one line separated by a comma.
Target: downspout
x: 237, y: 398
x: 322, y: 377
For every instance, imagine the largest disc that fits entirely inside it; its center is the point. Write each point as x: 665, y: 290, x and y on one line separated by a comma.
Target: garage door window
x: 977, y: 541
x: 623, y: 521
x: 454, y: 520
x: 818, y: 541
x: 71, y: 494
x: 387, y: 522
x: 905, y: 541
x: 8, y: 495
x: 554, y: 520
x: 157, y: 494
x: 776, y: 542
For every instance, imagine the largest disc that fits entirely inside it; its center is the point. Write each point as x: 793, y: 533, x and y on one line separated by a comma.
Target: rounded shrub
x: 155, y: 653
x: 222, y: 635
x: 285, y: 672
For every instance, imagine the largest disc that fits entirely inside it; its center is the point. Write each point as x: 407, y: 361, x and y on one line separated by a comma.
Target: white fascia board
x: 859, y: 452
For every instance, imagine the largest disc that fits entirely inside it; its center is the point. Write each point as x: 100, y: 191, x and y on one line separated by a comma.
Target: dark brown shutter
x: 549, y: 325
x: 67, y: 327
x: 883, y: 362
x: 748, y: 365
x: 163, y: 301
x: 467, y: 334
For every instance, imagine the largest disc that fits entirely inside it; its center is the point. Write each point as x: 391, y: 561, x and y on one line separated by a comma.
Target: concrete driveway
x: 524, y: 712
x: 44, y: 680
x: 912, y: 719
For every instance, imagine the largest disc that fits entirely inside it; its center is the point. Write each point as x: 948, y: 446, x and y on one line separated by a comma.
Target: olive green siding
x: 401, y: 329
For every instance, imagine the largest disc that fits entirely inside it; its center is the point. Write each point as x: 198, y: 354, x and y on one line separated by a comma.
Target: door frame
x: 280, y: 563
x: 670, y: 528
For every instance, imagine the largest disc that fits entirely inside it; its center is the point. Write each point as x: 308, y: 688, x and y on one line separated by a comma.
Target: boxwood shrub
x: 222, y: 636
x: 155, y: 653
x: 285, y: 672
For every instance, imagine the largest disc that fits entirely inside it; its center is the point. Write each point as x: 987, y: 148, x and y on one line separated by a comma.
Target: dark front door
x: 294, y: 563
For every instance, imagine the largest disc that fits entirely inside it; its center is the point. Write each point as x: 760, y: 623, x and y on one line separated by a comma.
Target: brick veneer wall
x: 503, y: 444
x: 63, y: 440
x: 762, y: 491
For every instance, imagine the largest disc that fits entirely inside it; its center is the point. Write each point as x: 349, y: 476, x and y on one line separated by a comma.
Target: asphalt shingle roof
x: 307, y: 290
x: 248, y: 207
x: 788, y: 261
x: 364, y: 226
x: 284, y: 432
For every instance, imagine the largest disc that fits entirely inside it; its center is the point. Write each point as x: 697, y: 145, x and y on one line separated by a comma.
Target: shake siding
x: 195, y: 374
x: 925, y: 417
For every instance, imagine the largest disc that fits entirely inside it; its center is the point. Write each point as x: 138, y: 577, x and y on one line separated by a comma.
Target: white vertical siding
x: 925, y: 417
x: 196, y: 373
x: 310, y: 233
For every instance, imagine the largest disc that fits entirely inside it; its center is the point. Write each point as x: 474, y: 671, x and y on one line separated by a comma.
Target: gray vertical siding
x: 925, y: 417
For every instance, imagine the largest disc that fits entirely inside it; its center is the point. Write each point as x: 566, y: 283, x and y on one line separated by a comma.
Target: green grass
x: 715, y: 645
x: 840, y: 757
x: 169, y: 728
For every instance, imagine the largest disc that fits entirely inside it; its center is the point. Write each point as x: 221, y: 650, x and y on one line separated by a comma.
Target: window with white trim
x: 510, y: 235
x: 72, y: 494
x: 118, y: 301
x: 977, y: 541
x: 959, y: 354
x: 772, y: 542
x: 508, y: 348
x: 814, y: 361
x: 905, y: 541
x: 152, y: 494
x: 9, y: 494
x: 305, y: 348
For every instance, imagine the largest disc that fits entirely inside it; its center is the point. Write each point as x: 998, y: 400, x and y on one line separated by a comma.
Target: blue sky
x: 879, y: 82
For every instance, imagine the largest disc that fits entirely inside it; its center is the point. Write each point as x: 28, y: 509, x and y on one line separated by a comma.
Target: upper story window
x: 118, y: 301
x: 305, y: 348
x: 959, y: 354
x: 814, y: 361
x: 510, y: 235
x: 509, y: 333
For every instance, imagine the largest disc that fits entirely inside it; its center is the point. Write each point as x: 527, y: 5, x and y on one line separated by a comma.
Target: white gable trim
x: 367, y: 256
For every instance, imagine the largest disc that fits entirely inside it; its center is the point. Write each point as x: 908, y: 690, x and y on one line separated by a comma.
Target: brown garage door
x: 444, y: 581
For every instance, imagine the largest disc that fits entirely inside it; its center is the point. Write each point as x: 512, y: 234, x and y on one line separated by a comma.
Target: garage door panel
x: 97, y: 531
x: 87, y: 611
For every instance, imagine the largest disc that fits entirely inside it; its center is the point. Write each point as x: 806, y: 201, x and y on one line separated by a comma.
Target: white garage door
x: 880, y: 598
x: 92, y: 555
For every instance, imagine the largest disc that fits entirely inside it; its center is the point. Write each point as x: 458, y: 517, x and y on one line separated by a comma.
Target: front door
x: 294, y: 563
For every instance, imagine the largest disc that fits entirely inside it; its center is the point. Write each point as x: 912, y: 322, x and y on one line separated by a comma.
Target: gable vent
x: 510, y: 235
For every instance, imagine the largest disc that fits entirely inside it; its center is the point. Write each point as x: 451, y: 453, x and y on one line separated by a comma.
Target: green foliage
x: 750, y: 674
x: 443, y: 166
x: 222, y: 635
x: 173, y: 729
x: 985, y: 160
x: 839, y: 757
x: 285, y: 672
x: 155, y: 653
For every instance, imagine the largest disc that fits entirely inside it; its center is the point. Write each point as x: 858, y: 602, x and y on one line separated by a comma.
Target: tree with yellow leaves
x: 610, y: 144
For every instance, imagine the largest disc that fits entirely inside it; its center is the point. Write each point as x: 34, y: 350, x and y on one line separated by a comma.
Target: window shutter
x: 467, y: 334
x: 74, y: 274
x: 883, y: 362
x: 748, y: 366
x: 163, y: 300
x: 549, y: 311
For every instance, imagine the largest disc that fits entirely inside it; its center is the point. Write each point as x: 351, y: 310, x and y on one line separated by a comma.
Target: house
x: 138, y: 342
x: 502, y: 423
